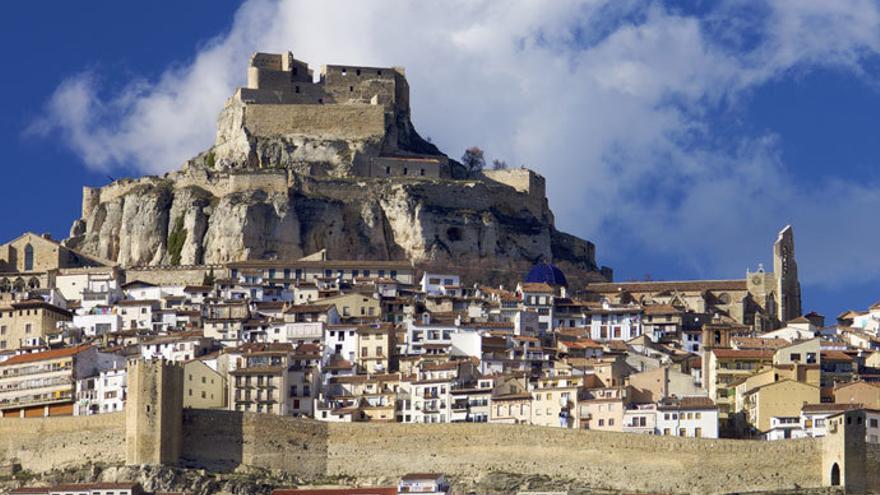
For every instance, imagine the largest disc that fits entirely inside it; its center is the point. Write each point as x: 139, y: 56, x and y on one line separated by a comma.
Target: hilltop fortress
x: 300, y: 165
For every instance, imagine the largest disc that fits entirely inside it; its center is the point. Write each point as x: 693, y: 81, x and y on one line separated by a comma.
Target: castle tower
x: 844, y: 452
x: 153, y: 412
x: 786, y: 272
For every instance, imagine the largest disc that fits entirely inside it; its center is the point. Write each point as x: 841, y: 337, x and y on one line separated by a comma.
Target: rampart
x: 41, y: 444
x: 173, y: 275
x: 355, y: 122
x: 225, y: 440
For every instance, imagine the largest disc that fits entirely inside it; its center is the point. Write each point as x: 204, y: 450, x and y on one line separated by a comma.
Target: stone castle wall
x: 41, y: 444
x: 224, y: 440
x: 173, y: 275
x: 354, y: 122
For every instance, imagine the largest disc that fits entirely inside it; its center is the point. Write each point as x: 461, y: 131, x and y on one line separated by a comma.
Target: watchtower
x: 153, y: 412
x: 844, y: 452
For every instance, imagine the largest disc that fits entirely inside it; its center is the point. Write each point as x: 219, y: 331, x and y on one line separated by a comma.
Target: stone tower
x: 844, y: 452
x: 786, y: 272
x: 153, y: 412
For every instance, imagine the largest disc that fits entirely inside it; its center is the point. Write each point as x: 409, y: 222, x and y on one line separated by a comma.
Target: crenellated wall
x: 225, y: 440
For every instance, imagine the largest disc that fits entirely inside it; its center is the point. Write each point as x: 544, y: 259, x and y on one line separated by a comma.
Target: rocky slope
x: 283, y: 196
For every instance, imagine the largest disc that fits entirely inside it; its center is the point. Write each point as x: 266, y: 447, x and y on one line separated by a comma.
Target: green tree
x: 473, y: 160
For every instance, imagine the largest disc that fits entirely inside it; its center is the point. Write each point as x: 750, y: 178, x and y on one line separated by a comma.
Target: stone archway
x: 835, y: 475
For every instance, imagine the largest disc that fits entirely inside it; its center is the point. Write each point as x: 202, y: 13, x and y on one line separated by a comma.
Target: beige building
x: 761, y: 300
x: 289, y: 272
x: 723, y: 369
x: 374, y: 344
x: 29, y: 319
x: 31, y: 261
x: 261, y: 381
x: 555, y: 401
x: 784, y: 398
x: 355, y: 306
x: 653, y: 385
x: 603, y: 409
x: 204, y: 388
x: 867, y: 394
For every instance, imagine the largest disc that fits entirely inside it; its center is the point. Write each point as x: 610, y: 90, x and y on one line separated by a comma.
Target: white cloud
x: 608, y: 99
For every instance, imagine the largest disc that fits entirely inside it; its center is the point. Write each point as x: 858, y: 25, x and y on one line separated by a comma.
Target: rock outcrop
x: 287, y: 179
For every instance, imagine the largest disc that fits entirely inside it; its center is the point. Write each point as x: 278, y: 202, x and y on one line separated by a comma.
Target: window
x: 378, y: 350
x: 698, y: 432
x: 601, y: 422
x: 873, y: 423
x: 364, y: 352
x: 682, y: 432
x: 28, y: 258
x: 795, y: 356
x: 27, y: 328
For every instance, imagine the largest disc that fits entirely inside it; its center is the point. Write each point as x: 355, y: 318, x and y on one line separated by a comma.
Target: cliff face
x: 287, y: 178
x: 182, y: 219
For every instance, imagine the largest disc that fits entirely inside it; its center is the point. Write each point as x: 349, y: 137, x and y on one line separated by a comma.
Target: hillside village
x: 361, y: 341
x: 407, y: 332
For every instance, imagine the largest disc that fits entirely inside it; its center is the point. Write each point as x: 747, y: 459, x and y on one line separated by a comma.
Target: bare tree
x: 473, y: 160
x: 499, y: 164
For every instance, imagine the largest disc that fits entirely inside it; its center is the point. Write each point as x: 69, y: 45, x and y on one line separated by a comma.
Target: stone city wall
x: 338, y: 121
x: 173, y: 275
x: 41, y: 444
x: 224, y: 440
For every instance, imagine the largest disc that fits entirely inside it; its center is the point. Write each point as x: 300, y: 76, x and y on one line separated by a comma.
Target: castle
x: 360, y: 104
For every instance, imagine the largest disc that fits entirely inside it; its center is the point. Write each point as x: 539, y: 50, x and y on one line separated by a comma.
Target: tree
x: 473, y: 160
x: 499, y: 164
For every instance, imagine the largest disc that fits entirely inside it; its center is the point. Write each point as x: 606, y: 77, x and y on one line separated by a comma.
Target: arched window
x: 28, y: 258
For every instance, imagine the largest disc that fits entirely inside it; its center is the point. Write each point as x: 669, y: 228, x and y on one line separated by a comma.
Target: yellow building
x: 779, y: 399
x: 22, y: 320
x: 355, y: 306
x: 374, y: 346
x: 555, y: 401
x: 723, y: 368
x: 204, y: 388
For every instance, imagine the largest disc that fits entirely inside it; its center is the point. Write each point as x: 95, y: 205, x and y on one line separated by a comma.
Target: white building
x: 177, y: 348
x: 424, y: 484
x: 435, y: 284
x: 687, y: 417
x: 98, y: 321
x: 105, y: 393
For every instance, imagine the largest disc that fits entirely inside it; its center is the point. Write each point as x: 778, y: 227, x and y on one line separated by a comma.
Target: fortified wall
x: 156, y: 430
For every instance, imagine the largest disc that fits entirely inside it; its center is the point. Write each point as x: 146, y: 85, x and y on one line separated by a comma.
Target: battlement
x: 281, y: 78
x: 522, y: 179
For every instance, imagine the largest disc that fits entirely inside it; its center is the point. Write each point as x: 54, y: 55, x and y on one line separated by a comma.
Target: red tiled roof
x: 42, y: 356
x: 742, y: 354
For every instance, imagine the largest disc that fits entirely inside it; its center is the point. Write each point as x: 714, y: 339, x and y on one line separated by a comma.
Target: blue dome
x: 546, y: 273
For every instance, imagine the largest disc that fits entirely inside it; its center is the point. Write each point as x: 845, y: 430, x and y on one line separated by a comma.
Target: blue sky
x: 679, y: 136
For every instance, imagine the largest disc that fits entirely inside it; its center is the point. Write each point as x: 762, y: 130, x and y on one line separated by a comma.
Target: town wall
x: 224, y: 440
x: 41, y: 444
x: 336, y: 121
x: 173, y: 275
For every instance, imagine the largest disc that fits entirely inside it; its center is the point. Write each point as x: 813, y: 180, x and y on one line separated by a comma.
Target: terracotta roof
x: 662, y: 309
x: 688, y: 403
x: 830, y: 407
x: 308, y: 308
x: 835, y: 356
x: 742, y: 354
x: 42, y: 356
x: 748, y: 343
x: 539, y: 287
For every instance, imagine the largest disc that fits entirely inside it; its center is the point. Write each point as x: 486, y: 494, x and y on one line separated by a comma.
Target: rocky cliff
x: 285, y: 180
